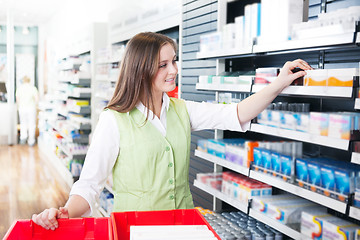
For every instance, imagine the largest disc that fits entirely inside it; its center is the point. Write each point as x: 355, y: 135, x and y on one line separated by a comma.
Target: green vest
x: 152, y: 171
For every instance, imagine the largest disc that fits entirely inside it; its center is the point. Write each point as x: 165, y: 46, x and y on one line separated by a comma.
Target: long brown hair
x: 137, y: 71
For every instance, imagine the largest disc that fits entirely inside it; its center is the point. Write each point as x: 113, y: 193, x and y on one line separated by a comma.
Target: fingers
x: 63, y: 213
x: 298, y: 75
x: 298, y: 63
x: 47, y: 219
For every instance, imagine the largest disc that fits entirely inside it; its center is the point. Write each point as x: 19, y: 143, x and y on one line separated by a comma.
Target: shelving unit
x: 331, y: 50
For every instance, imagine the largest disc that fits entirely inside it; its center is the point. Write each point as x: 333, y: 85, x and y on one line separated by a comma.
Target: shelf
x: 301, y: 136
x: 357, y: 103
x: 81, y: 81
x: 275, y: 224
x: 80, y: 109
x: 299, y: 191
x: 235, y: 167
x: 309, y: 44
x: 355, y: 157
x: 80, y: 126
x: 221, y: 53
x: 235, y: 203
x: 224, y: 87
x: 103, y: 212
x: 343, y: 92
x: 66, y: 151
x: 80, y: 95
x: 57, y: 163
x: 354, y: 213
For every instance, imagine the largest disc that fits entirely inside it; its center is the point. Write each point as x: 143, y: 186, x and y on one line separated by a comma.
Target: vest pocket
x: 130, y: 202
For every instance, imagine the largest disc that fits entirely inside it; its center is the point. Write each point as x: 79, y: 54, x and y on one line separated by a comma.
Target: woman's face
x: 164, y: 80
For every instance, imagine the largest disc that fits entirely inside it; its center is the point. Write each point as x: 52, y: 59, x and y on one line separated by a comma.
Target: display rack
x: 233, y: 202
x: 320, y: 46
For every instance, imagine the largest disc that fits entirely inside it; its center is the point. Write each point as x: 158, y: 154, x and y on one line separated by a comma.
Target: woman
x: 143, y: 136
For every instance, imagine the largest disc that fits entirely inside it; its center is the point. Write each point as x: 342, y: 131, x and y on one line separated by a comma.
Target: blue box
x: 302, y: 175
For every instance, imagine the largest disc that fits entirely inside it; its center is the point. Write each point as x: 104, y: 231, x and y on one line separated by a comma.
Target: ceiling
x: 30, y: 12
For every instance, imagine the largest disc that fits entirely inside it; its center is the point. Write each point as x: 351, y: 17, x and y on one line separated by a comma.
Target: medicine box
x: 319, y: 123
x: 317, y: 77
x: 266, y: 75
x: 312, y: 223
x: 260, y: 204
x: 289, y: 213
x: 275, y: 163
x: 342, y: 77
x: 341, y: 124
x: 327, y: 179
x: 314, y: 172
x: 339, y: 229
x: 302, y: 175
x: 286, y: 167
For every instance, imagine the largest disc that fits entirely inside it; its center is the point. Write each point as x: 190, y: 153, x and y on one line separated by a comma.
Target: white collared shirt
x: 105, y: 144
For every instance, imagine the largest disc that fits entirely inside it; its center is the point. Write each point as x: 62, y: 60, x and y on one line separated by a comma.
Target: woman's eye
x: 162, y: 65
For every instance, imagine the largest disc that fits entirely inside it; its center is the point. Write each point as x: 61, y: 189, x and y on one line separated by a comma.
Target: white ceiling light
x: 25, y: 30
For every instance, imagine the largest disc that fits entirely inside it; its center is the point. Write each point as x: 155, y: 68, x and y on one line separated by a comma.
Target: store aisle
x: 28, y: 184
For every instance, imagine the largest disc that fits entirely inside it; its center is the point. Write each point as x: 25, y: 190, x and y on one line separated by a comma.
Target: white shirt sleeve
x: 99, y: 161
x: 214, y: 116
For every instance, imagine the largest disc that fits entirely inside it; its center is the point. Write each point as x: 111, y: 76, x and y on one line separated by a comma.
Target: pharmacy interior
x: 294, y: 174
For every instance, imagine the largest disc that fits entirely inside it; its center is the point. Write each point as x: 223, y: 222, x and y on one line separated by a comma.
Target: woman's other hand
x: 287, y: 76
x: 48, y: 218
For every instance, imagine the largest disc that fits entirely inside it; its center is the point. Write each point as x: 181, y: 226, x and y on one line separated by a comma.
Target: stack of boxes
x: 239, y: 151
x: 277, y: 158
x: 283, y: 208
x: 329, y: 177
x: 321, y: 225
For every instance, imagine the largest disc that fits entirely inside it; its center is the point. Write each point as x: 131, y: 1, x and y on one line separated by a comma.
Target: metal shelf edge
x: 301, y: 136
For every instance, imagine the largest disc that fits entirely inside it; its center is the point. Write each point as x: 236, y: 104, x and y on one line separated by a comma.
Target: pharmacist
x: 143, y: 137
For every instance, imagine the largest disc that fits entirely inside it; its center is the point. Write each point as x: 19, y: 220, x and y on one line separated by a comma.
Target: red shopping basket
x: 121, y: 221
x: 69, y: 229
